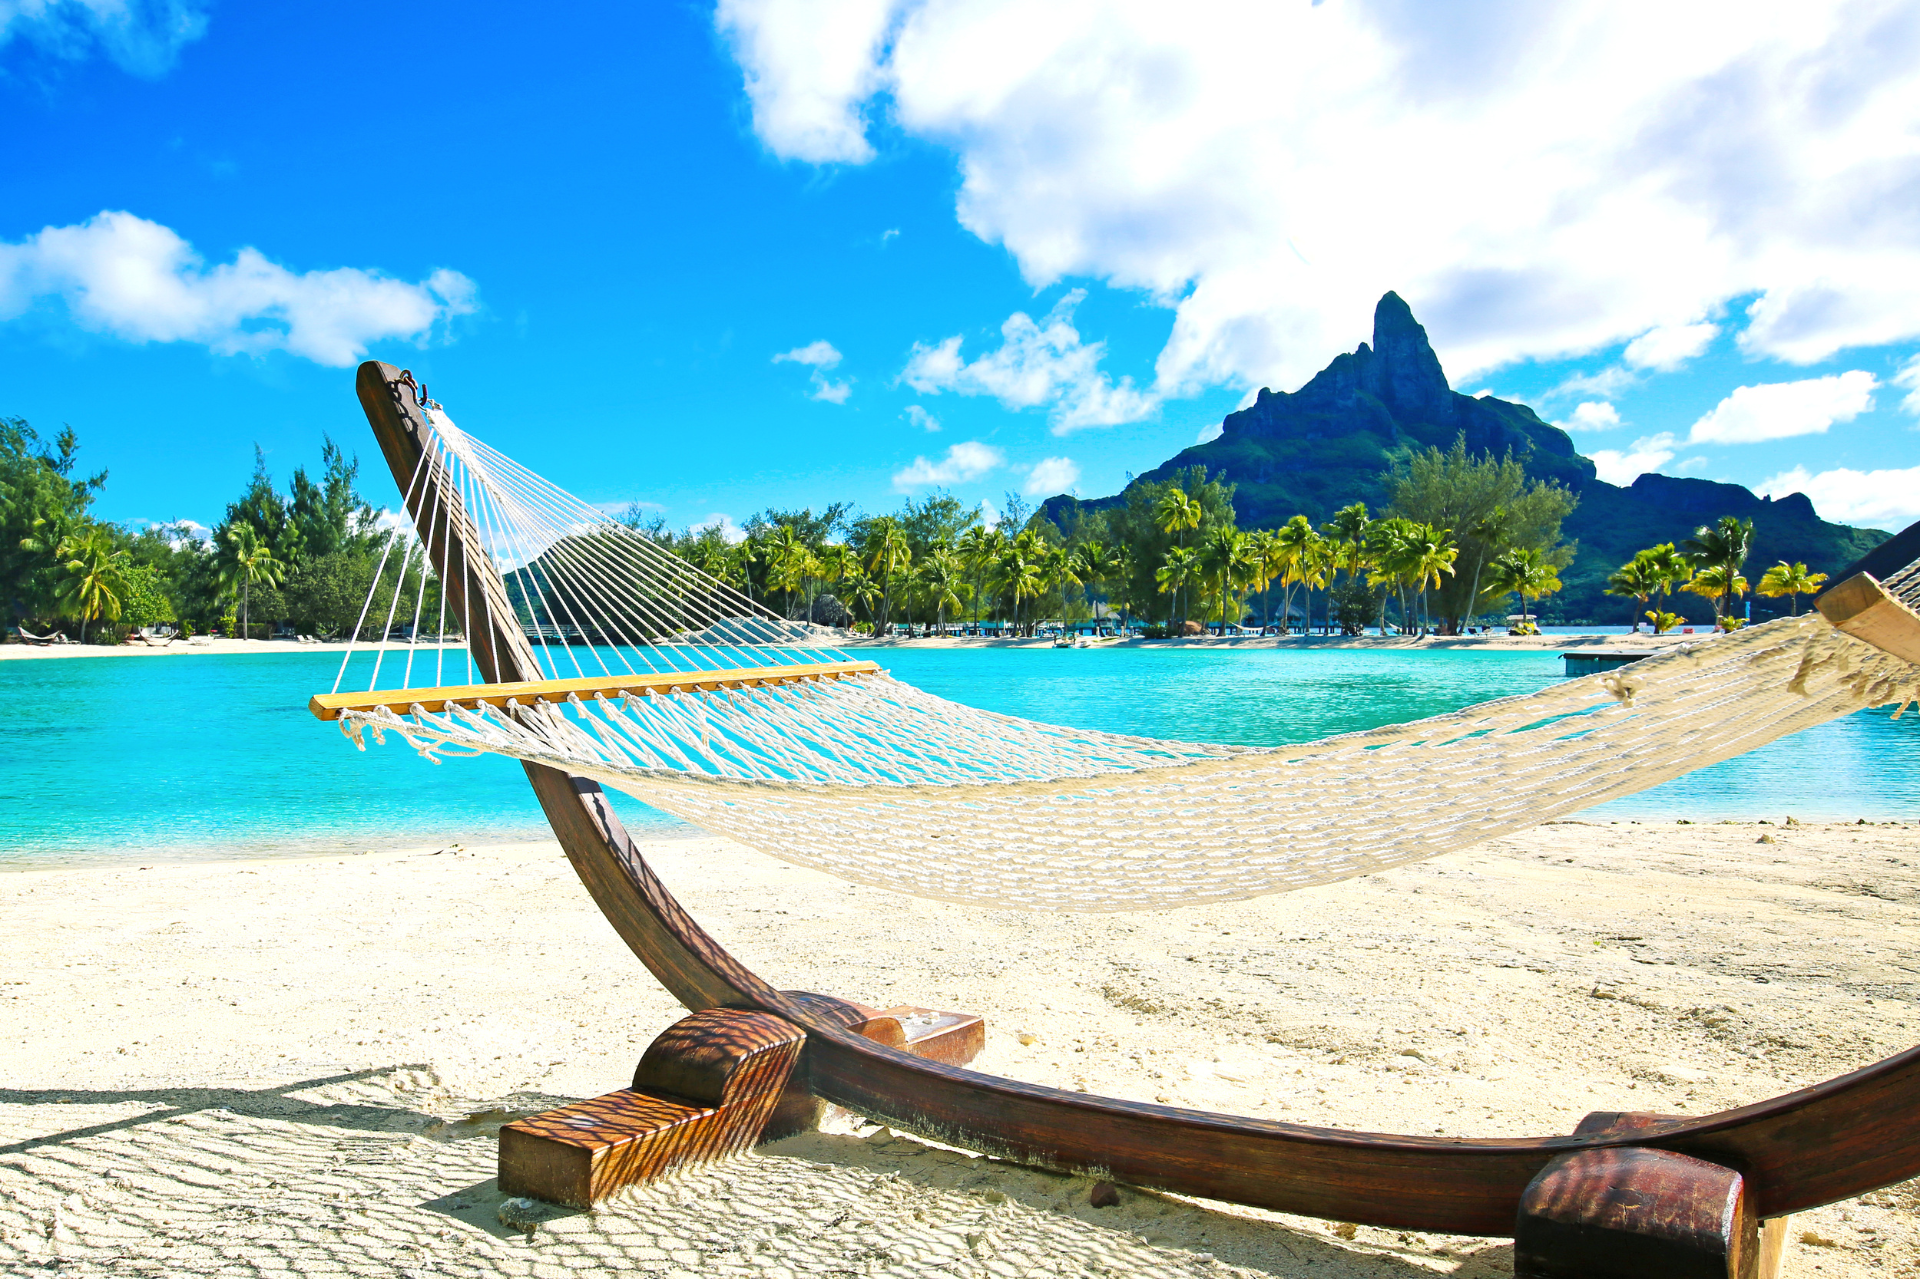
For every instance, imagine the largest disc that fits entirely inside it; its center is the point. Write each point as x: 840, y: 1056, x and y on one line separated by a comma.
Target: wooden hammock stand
x: 1626, y: 1194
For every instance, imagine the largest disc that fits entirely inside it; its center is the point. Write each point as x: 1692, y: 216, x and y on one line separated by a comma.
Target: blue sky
x: 782, y: 253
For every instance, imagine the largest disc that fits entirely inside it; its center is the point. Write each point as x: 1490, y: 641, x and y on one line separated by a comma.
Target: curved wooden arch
x: 1845, y: 1137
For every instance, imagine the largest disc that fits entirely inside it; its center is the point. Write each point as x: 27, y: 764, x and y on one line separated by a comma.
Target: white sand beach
x: 204, y: 645
x: 296, y: 1067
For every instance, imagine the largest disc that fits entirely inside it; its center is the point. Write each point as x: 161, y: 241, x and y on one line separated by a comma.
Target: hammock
x: 651, y: 676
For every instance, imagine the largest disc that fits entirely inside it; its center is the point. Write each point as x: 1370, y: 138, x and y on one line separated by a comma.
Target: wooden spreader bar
x: 1863, y: 609
x: 328, y: 706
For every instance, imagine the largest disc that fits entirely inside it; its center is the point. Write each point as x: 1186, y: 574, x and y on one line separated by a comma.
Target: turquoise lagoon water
x: 212, y: 754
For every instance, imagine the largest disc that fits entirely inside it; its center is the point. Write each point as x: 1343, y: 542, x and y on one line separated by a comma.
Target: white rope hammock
x: 879, y: 783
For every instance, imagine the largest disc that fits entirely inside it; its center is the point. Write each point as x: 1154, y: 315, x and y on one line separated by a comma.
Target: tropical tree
x: 1667, y: 568
x: 1021, y: 573
x: 790, y: 562
x: 1265, y: 565
x: 888, y: 556
x: 1790, y: 580
x: 1717, y: 584
x: 1179, y: 513
x: 1222, y: 555
x: 94, y: 577
x: 1348, y: 532
x: 942, y: 580
x: 1389, y: 555
x: 1526, y: 573
x: 979, y: 549
x: 1635, y: 578
x: 1430, y: 553
x: 1094, y: 565
x: 1059, y: 569
x: 1722, y: 548
x: 1180, y: 567
x: 860, y: 589
x: 1296, y: 547
x: 248, y: 560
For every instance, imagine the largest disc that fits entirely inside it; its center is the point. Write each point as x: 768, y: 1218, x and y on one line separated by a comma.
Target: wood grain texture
x: 1842, y: 1138
x: 1635, y: 1211
x: 704, y: 1091
x: 328, y: 706
x: 1861, y: 607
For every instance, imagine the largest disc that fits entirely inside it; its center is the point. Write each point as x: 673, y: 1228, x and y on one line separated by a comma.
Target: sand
x: 298, y: 1066
x: 182, y: 648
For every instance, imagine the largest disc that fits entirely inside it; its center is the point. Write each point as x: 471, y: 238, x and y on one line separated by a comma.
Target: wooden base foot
x: 1640, y: 1211
x: 952, y: 1038
x: 703, y: 1092
x: 709, y: 1087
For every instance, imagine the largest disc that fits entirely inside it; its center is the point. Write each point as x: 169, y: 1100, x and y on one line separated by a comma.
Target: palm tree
x: 1430, y: 553
x: 1093, y: 566
x: 1723, y: 547
x: 1388, y: 548
x: 1348, y: 531
x: 790, y: 562
x: 1293, y: 547
x: 1790, y: 580
x: 888, y: 556
x: 1059, y: 569
x: 95, y: 577
x: 1716, y: 583
x: 978, y: 549
x: 860, y: 589
x: 1179, y: 512
x: 248, y: 560
x: 1635, y: 578
x: 1223, y: 553
x: 1526, y: 573
x: 940, y: 577
x: 1173, y: 575
x: 1020, y: 572
x: 1667, y: 567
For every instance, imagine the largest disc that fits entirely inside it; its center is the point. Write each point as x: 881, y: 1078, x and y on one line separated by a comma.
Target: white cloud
x: 809, y: 64
x: 1593, y: 415
x: 138, y: 280
x: 1668, y: 346
x: 1042, y: 363
x: 140, y: 36
x: 920, y: 418
x: 1909, y: 378
x: 820, y: 356
x: 1776, y: 410
x: 724, y: 523
x: 1050, y: 476
x: 1249, y: 165
x: 1877, y: 499
x: 968, y: 460
x: 1623, y: 466
x: 1212, y: 431
x: 1606, y: 384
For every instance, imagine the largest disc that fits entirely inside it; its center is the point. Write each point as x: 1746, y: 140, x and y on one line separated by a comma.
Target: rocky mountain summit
x: 1338, y: 438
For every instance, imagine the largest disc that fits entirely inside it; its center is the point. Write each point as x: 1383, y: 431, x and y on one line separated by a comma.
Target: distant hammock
x: 682, y: 691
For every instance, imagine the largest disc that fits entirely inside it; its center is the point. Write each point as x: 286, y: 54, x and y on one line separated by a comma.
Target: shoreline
x: 1491, y: 643
x: 299, y: 1065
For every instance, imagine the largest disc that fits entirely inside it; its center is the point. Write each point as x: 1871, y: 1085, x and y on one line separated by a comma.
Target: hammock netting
x: 874, y: 781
